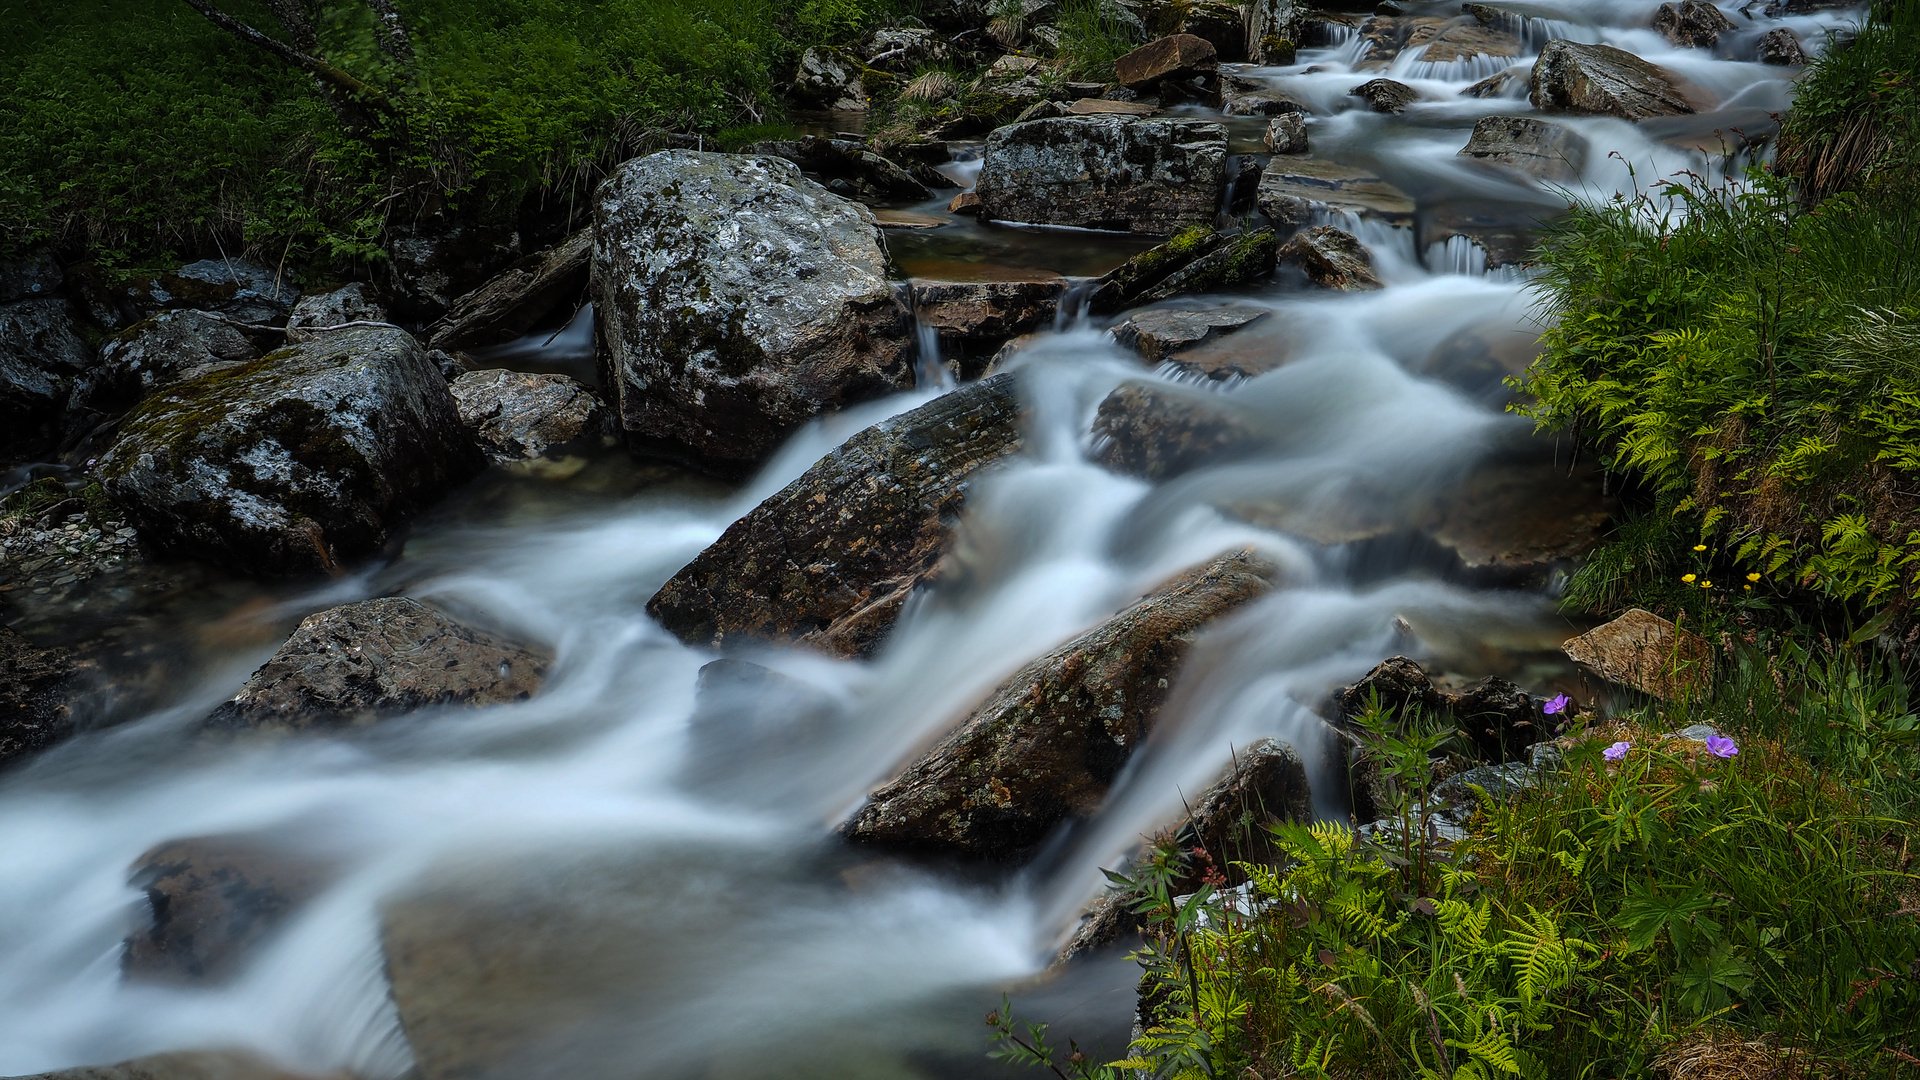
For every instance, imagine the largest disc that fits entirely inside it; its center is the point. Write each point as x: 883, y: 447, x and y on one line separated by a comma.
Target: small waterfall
x: 1465, y: 69
x: 929, y: 368
x: 1457, y: 255
x: 1072, y: 311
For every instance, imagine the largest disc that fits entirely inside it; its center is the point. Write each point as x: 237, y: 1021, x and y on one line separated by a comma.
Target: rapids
x: 588, y: 912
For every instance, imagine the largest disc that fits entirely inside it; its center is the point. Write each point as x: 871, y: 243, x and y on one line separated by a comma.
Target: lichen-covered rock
x: 1174, y: 57
x: 1286, y: 134
x: 1292, y: 188
x: 825, y: 79
x: 210, y: 901
x: 350, y: 303
x: 1149, y: 175
x: 1386, y: 95
x: 1160, y: 332
x: 1261, y: 103
x: 237, y: 288
x: 32, y: 277
x: 512, y: 302
x: 1274, y: 29
x: 973, y: 319
x: 295, y: 461
x: 1048, y: 744
x: 1691, y: 24
x: 1780, y: 47
x: 1331, y: 258
x: 902, y: 48
x: 35, y: 696
x: 1539, y: 148
x: 1646, y: 652
x: 829, y: 560
x: 360, y: 662
x: 872, y: 177
x: 40, y: 356
x: 158, y: 352
x: 736, y: 301
x: 521, y: 414
x: 1158, y: 432
x: 1600, y: 80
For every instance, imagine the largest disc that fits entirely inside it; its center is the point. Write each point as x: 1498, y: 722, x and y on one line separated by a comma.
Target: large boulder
x: 826, y: 79
x: 1643, y: 651
x: 829, y: 560
x: 1048, y: 744
x: 519, y: 297
x: 1331, y: 258
x: 210, y: 902
x: 737, y: 300
x: 1600, y: 80
x: 360, y: 662
x: 520, y: 414
x: 35, y: 696
x: 1176, y: 57
x: 40, y: 357
x: 1292, y: 188
x: 295, y: 461
x: 1539, y: 148
x: 237, y: 288
x: 1150, y: 175
x: 1691, y: 24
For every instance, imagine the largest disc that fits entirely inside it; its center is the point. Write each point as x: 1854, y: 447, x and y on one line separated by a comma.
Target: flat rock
x: 1176, y: 57
x: 515, y: 300
x: 1292, y: 187
x: 1160, y: 332
x: 1539, y: 148
x: 829, y: 560
x: 1151, y: 175
x: 1643, y: 651
x: 1513, y: 523
x: 737, y: 300
x: 360, y: 662
x: 36, y: 687
x: 1385, y: 95
x: 1103, y: 107
x: 1600, y: 80
x: 1465, y: 41
x: 1691, y: 24
x: 1048, y: 744
x: 1262, y: 103
x: 520, y: 414
x: 41, y: 355
x: 1331, y: 258
x: 210, y: 902
x: 181, y: 1065
x: 1157, y: 432
x: 296, y: 461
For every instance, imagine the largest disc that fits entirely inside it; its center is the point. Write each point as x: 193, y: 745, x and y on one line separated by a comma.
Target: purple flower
x: 1721, y: 746
x: 1617, y: 750
x: 1556, y: 705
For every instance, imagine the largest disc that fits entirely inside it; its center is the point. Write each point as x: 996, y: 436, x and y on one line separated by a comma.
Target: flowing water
x: 564, y: 895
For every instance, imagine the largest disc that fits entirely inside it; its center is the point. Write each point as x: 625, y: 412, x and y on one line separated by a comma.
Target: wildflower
x: 1721, y: 747
x: 1755, y: 576
x: 1749, y: 588
x: 1617, y: 750
x: 1699, y: 547
x: 1706, y: 584
x: 1688, y: 578
x: 1556, y: 705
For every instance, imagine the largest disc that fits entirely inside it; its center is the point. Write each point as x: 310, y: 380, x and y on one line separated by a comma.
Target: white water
x: 726, y: 933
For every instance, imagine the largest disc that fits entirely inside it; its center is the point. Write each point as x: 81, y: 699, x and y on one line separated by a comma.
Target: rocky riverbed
x: 731, y: 639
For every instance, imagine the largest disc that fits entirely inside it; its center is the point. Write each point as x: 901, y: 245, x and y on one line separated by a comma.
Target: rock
x: 159, y: 352
x: 967, y: 202
x: 1287, y: 135
x: 973, y: 319
x: 1245, y: 257
x: 1331, y: 259
x: 1779, y: 46
x: 1396, y: 684
x: 1465, y: 42
x: 1274, y: 29
x: 354, y: 302
x: 747, y: 722
x: 34, y: 277
x: 1539, y: 148
x: 357, y: 663
x: 1103, y: 107
x: 1263, y: 103
x: 180, y: 1065
x: 826, y: 80
x: 901, y: 48
x: 829, y: 559
x: 514, y: 301
x: 1125, y: 285
x: 40, y: 356
x: 1385, y: 95
x: 1149, y: 175
x: 1492, y: 86
x: 1223, y: 25
x: 1157, y: 432
x: 1291, y: 189
x: 1514, y: 523
x: 1176, y: 57
x: 1048, y: 743
x: 210, y: 902
x: 1691, y: 24
x: 36, y: 690
x: 1498, y: 718
x: 1160, y: 332
x: 872, y: 177
x: 1600, y: 80
x: 1643, y: 651
x: 737, y: 300
x: 519, y: 414
x: 1778, y: 8
x: 296, y: 461
x: 433, y: 263
x: 237, y: 288
x: 1047, y: 109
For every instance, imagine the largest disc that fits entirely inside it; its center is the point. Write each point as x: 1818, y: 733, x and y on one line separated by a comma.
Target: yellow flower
x: 1686, y: 577
x: 1706, y: 584
x: 1755, y: 576
x: 1749, y: 588
x: 1699, y: 547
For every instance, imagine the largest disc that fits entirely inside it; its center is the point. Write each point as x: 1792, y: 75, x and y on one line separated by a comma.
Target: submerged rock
x: 1292, y: 187
x: 511, y: 303
x: 1600, y: 80
x: 737, y: 300
x: 1157, y: 432
x: 360, y: 662
x: 36, y: 690
x: 747, y: 720
x: 1141, y: 175
x: 1691, y: 23
x: 829, y: 559
x: 1331, y: 259
x: 1047, y: 745
x: 1539, y: 148
x: 1385, y: 95
x: 40, y: 357
x: 296, y: 461
x: 1158, y: 333
x: 211, y: 901
x: 1646, y: 652
x: 520, y: 414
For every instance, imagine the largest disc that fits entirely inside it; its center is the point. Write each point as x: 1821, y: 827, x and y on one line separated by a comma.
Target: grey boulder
x: 1600, y: 80
x: 1538, y: 148
x: 158, y: 352
x: 1151, y: 175
x: 40, y: 357
x: 519, y: 414
x: 350, y: 303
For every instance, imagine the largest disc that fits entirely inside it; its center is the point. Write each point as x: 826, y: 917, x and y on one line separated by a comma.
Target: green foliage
x: 1092, y: 38
x: 1856, y: 113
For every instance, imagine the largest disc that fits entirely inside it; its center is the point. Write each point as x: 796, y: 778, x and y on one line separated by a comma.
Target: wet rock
x: 1287, y: 135
x: 296, y: 461
x: 1492, y: 86
x: 237, y: 288
x: 1244, y: 257
x: 181, y: 1065
x: 1465, y: 41
x: 1385, y: 95
x: 40, y: 356
x: 211, y: 901
x: 1514, y: 523
x: 1124, y: 286
x: 36, y: 691
x: 829, y: 559
x: 357, y: 663
x: 1331, y: 259
x: 1159, y: 333
x: 1779, y: 46
x: 1149, y: 175
x: 1691, y: 24
x: 1156, y: 432
x: 1779, y: 8
x: 513, y: 302
x: 520, y: 414
x: 973, y: 319
x: 872, y: 177
x: 1505, y: 234
x: 1047, y: 745
x: 748, y: 721
x: 1291, y: 188
x: 1177, y: 57
x: 1262, y: 103
x: 1274, y: 29
x: 737, y: 300
x: 347, y: 304
x: 967, y: 203
x: 825, y: 79
x: 1398, y: 685
x: 1539, y: 148
x: 159, y: 352
x: 1600, y: 80
x: 1646, y: 652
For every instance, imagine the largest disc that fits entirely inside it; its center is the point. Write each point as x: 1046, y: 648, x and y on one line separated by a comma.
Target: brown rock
x: 522, y: 414
x: 1160, y: 332
x: 182, y: 1065
x: 1539, y: 148
x: 1331, y: 259
x: 1600, y: 80
x: 966, y: 202
x: 1050, y: 741
x: 974, y: 318
x: 1175, y: 57
x: 1385, y: 95
x: 1156, y: 432
x: 1513, y: 523
x: 511, y: 303
x: 356, y: 663
x: 211, y: 900
x: 36, y: 687
x: 1292, y: 187
x: 829, y: 559
x: 1646, y: 652
x: 1103, y: 107
x: 1691, y: 23
x: 1465, y: 42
